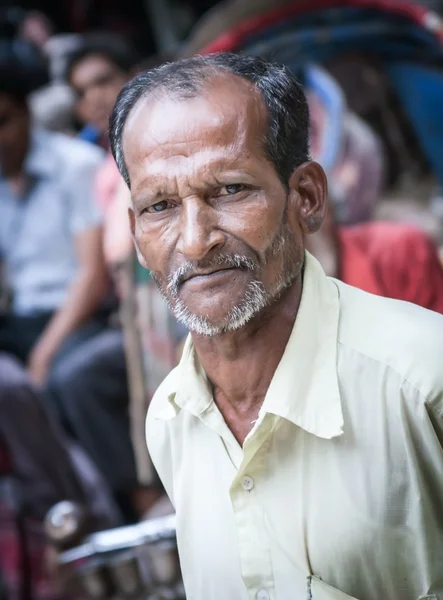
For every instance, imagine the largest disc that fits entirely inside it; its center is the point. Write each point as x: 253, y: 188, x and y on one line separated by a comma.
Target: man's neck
x: 241, y: 364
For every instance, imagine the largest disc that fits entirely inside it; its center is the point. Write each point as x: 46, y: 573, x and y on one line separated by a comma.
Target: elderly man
x: 300, y: 437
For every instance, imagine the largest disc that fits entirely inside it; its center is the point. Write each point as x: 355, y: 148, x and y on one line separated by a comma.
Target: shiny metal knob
x: 66, y: 524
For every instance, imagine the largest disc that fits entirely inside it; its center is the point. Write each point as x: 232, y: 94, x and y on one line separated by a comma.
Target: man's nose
x: 199, y: 233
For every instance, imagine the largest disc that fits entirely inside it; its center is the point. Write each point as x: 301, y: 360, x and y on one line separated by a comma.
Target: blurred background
x: 85, y: 338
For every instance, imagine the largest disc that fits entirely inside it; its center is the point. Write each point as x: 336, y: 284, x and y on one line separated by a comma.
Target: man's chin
x: 213, y: 324
x: 218, y: 317
x: 200, y: 324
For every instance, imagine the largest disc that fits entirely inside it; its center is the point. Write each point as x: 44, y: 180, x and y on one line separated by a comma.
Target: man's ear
x: 309, y: 185
x: 132, y: 224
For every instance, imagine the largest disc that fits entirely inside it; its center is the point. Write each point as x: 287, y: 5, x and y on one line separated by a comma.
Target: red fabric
x: 392, y: 260
x: 14, y: 549
x: 232, y: 40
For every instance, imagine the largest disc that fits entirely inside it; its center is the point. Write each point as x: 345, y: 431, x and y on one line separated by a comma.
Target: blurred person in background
x: 37, y: 28
x: 50, y: 235
x: 96, y: 71
x: 390, y: 259
x: 92, y: 389
x: 14, y: 46
x: 54, y: 276
x: 58, y: 321
x: 52, y: 105
x: 29, y: 37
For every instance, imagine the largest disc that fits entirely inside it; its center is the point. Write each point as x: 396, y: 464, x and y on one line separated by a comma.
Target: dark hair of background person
x: 18, y: 54
x: 113, y: 48
x: 286, y: 142
x: 15, y: 80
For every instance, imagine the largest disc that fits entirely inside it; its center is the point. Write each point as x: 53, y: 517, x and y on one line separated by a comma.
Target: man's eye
x: 159, y: 207
x: 231, y: 189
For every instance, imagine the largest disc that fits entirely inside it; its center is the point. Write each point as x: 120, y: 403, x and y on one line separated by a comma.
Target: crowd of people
x: 63, y: 379
x: 64, y: 397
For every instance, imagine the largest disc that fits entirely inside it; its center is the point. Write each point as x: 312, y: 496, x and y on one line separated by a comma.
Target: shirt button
x: 262, y: 595
x: 248, y: 483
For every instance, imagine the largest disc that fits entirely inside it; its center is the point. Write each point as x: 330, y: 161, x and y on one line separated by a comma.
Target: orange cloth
x: 394, y: 260
x: 106, y: 183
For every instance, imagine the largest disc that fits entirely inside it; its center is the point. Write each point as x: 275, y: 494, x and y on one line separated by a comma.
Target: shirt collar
x: 304, y: 389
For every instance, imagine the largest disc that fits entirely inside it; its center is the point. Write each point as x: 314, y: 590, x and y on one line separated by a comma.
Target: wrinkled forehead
x: 227, y: 119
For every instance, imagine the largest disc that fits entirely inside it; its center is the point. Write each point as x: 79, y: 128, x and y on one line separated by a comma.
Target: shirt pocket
x: 319, y: 590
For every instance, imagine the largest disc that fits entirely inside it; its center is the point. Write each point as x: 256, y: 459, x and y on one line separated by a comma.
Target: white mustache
x: 233, y: 261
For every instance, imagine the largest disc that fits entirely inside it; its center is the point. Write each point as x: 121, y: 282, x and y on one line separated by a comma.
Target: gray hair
x: 286, y: 142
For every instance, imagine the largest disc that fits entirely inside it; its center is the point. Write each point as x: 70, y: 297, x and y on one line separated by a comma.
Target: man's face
x: 210, y: 218
x: 14, y: 133
x: 96, y: 82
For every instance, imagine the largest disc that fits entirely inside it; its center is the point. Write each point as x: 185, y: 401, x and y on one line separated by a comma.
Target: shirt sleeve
x: 83, y: 207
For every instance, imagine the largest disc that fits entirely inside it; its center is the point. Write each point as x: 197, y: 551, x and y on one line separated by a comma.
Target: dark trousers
x: 35, y: 443
x: 90, y: 389
x: 18, y: 334
x: 39, y: 456
x: 87, y: 390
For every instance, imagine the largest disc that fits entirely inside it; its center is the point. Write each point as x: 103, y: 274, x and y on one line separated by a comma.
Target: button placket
x: 254, y: 549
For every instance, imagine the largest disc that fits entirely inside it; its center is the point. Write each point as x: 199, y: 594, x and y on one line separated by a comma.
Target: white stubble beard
x: 255, y: 300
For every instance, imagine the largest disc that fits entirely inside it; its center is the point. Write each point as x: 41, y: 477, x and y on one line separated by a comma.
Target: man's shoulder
x: 74, y: 153
x: 402, y: 336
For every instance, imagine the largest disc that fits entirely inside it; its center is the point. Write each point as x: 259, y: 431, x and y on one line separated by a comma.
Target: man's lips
x: 208, y: 275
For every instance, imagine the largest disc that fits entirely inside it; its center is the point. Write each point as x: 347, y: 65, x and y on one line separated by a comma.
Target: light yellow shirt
x: 338, y: 489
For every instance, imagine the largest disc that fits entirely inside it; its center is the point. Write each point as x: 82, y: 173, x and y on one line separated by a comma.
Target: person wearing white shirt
x: 300, y: 438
